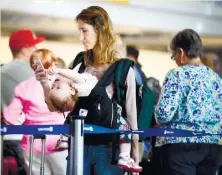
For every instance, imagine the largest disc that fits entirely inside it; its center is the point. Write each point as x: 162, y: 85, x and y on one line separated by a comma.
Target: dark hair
x: 189, y: 41
x: 133, y: 51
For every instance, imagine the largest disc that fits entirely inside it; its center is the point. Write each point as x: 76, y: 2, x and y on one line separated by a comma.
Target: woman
x: 100, y: 42
x: 29, y: 99
x: 191, y: 99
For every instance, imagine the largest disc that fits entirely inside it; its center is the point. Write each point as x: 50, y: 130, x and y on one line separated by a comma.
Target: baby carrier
x: 102, y: 110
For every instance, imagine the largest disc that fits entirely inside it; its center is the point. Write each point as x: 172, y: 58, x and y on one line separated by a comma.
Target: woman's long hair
x: 104, y: 51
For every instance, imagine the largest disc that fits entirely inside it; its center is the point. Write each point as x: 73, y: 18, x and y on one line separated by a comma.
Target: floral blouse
x: 191, y: 99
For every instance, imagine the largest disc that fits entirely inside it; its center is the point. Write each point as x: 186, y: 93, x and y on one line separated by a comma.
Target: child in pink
x: 29, y: 100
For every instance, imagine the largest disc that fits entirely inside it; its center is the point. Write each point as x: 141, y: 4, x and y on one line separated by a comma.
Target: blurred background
x: 146, y: 25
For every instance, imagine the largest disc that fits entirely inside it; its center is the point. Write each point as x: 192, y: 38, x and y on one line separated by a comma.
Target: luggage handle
x: 39, y: 136
x: 31, y: 139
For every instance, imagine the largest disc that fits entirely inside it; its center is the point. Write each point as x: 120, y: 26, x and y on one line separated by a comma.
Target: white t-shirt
x: 84, y: 89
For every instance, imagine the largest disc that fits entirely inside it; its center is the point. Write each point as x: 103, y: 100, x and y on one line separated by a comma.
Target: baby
x: 67, y: 85
x: 63, y: 95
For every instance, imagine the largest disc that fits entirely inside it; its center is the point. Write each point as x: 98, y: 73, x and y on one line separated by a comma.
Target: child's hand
x: 52, y: 71
x: 40, y: 74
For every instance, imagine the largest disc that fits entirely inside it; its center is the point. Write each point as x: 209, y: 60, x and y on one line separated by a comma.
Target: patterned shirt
x: 191, y: 99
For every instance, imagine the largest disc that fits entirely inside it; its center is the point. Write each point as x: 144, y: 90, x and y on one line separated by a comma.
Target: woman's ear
x: 183, y: 56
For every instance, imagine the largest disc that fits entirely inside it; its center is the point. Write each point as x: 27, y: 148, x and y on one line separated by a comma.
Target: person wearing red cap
x: 22, y: 43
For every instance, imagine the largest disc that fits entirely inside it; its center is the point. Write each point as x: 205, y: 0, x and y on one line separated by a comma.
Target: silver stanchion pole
x: 31, y: 141
x: 1, y: 152
x: 77, y: 144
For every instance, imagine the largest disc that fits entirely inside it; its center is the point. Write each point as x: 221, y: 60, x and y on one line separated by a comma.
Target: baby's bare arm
x: 71, y: 74
x: 68, y: 73
x: 46, y: 89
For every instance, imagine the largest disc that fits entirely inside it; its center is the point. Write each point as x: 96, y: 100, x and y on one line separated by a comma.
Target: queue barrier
x: 93, y: 129
x: 77, y: 129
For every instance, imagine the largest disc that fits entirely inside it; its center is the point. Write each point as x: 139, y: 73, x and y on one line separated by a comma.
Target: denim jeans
x: 98, y: 159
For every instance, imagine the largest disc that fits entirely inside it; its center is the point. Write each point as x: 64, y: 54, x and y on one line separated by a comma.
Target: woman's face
x: 88, y: 35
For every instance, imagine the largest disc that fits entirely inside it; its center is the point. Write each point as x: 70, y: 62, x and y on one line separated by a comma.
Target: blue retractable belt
x: 93, y: 129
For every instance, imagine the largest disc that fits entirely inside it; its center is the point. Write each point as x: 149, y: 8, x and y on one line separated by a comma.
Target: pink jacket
x: 29, y: 99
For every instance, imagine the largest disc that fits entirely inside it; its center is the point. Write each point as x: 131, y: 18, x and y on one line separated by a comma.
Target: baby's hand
x: 52, y: 71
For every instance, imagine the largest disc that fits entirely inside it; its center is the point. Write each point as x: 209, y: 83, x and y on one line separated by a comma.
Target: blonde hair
x: 67, y: 103
x: 43, y: 55
x: 121, y: 48
x: 104, y: 50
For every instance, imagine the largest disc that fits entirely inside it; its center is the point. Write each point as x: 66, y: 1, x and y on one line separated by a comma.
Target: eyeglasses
x: 173, y: 55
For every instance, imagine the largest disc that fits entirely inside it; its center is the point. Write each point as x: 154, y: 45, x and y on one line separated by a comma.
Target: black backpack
x: 117, y: 73
x: 144, y: 97
x: 102, y: 110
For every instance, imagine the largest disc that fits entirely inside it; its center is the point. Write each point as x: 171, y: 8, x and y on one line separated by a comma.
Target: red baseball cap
x: 24, y: 38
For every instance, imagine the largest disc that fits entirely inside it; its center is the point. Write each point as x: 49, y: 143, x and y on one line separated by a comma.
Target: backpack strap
x: 79, y: 59
x: 120, y: 87
x: 118, y: 72
x: 108, y: 76
x: 120, y: 81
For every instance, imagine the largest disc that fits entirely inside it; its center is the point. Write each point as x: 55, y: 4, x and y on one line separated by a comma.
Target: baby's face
x: 61, y: 92
x: 61, y: 86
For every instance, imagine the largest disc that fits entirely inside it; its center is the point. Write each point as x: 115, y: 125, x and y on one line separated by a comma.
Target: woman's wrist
x: 135, y: 137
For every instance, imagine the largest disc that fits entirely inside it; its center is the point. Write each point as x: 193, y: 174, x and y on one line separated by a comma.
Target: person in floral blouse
x: 191, y: 99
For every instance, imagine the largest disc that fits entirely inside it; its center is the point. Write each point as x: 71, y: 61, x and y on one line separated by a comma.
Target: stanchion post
x: 77, y: 144
x: 31, y: 140
x: 1, y: 153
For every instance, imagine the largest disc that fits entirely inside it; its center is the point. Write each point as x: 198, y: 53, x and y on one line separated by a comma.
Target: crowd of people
x: 190, y: 99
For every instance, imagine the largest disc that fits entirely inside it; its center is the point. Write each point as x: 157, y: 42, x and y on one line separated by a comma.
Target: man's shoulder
x: 16, y: 63
x: 17, y: 67
x: 16, y: 72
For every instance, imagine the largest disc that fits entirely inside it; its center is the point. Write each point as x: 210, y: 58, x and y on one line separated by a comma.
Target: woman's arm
x: 131, y: 112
